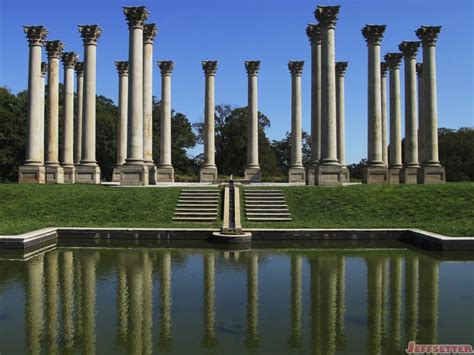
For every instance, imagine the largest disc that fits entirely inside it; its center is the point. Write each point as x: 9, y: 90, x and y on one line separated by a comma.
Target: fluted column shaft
x: 296, y: 69
x: 122, y: 68
x: 210, y: 68
x: 393, y: 60
x: 340, y: 111
x: 166, y: 68
x: 383, y: 88
x: 149, y: 33
x: 44, y: 69
x: 67, y: 155
x: 79, y: 105
x: 421, y: 134
x: 252, y: 124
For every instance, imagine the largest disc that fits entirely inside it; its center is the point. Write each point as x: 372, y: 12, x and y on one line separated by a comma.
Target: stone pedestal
x: 409, y: 175
x: 31, y: 174
x: 431, y: 175
x: 375, y: 175
x: 116, y: 173
x: 54, y: 174
x: 394, y: 175
x: 151, y: 173
x: 328, y: 175
x: 134, y: 175
x: 297, y: 175
x: 164, y: 174
x: 311, y: 175
x: 346, y: 174
x: 87, y: 174
x: 253, y: 174
x: 69, y: 174
x: 208, y: 174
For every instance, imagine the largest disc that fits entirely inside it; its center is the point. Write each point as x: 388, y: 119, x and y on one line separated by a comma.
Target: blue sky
x: 232, y: 31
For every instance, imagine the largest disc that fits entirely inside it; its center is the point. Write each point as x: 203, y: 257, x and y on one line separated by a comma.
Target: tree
x: 282, y: 151
x: 106, y: 135
x: 456, y: 153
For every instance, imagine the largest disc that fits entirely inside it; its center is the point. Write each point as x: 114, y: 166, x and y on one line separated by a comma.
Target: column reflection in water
x: 252, y: 301
x: 341, y: 302
x: 315, y: 287
x: 395, y: 302
x: 68, y: 298
x: 385, y: 283
x: 328, y: 292
x: 147, y: 304
x: 428, y: 300
x: 411, y: 297
x: 52, y: 300
x: 209, y: 336
x: 295, y: 340
x: 79, y: 295
x: 136, y: 310
x: 34, y: 304
x: 89, y: 262
x: 165, y: 338
x: 122, y: 299
x: 374, y: 304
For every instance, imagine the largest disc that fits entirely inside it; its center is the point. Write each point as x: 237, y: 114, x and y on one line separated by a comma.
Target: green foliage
x: 282, y: 150
x: 456, y: 153
x: 106, y: 135
x: 356, y: 169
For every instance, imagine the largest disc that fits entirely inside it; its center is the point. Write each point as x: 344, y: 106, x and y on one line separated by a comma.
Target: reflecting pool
x: 147, y: 300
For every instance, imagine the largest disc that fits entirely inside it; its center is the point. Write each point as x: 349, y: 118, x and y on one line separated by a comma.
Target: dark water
x: 271, y: 301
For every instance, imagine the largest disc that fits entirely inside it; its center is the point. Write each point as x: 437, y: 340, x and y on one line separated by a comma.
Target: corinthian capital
x: 90, y: 33
x: 122, y: 67
x: 409, y: 49
x: 44, y: 68
x: 135, y: 15
x: 341, y: 68
x: 313, y: 31
x: 327, y: 15
x: 383, y: 69
x: 35, y: 34
x: 149, y: 33
x: 166, y: 67
x: 428, y: 34
x: 79, y: 68
x: 419, y: 69
x: 393, y: 60
x: 70, y: 59
x: 252, y: 67
x: 296, y: 67
x: 209, y: 67
x: 54, y: 48
x: 373, y: 34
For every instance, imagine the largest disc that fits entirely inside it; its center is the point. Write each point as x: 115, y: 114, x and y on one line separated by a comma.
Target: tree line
x: 456, y: 146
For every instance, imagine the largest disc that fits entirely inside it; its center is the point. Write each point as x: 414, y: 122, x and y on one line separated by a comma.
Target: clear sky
x: 232, y: 31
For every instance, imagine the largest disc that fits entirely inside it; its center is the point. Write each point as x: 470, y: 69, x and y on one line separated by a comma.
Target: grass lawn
x: 447, y: 209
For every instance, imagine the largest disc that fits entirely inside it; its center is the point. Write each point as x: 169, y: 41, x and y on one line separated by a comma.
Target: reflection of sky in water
x: 264, y: 301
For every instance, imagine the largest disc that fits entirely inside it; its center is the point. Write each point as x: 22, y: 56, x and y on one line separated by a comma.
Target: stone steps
x: 197, y: 205
x: 266, y: 206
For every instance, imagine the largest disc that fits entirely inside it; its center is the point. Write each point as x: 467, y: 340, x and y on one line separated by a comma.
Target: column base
x: 375, y: 175
x: 253, y: 174
x: 69, y: 174
x: 165, y: 174
x: 208, y: 174
x: 297, y: 175
x: 328, y: 175
x: 151, y: 173
x: 54, y: 174
x: 88, y: 174
x: 311, y: 175
x: 32, y: 174
x: 116, y: 173
x: 134, y: 175
x: 431, y: 175
x: 394, y: 175
x: 346, y: 174
x: 409, y: 175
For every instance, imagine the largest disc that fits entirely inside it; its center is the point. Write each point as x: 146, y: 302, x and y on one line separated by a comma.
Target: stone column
x: 32, y: 170
x: 329, y: 172
x: 296, y: 173
x: 409, y: 173
x: 395, y: 162
x: 431, y: 171
x: 79, y: 102
x: 54, y: 171
x: 44, y: 69
x: 135, y: 172
x: 420, y: 135
x: 383, y: 95
x: 208, y: 172
x: 341, y: 68
x: 375, y: 172
x: 165, y: 171
x: 67, y: 155
x: 252, y: 171
x: 313, y: 31
x: 88, y: 172
x: 149, y: 33
x: 122, y: 69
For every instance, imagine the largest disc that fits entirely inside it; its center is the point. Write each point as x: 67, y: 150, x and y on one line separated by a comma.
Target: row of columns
x: 421, y: 127
x: 75, y: 274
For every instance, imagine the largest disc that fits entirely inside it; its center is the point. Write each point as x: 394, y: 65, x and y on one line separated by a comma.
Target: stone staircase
x: 266, y: 206
x: 199, y: 205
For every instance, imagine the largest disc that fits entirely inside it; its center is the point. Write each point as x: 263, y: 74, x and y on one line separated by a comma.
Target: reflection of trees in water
x: 61, y: 300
